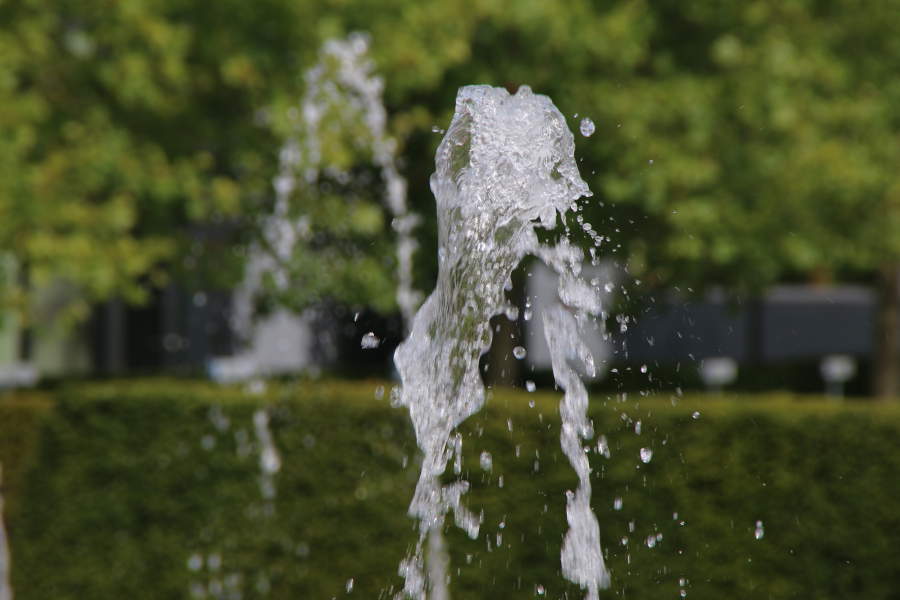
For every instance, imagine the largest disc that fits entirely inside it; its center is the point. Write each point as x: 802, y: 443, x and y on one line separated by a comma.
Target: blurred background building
x: 777, y: 341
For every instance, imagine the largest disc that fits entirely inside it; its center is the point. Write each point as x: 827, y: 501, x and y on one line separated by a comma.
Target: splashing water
x: 587, y: 127
x: 369, y: 341
x: 209, y: 576
x: 760, y: 531
x: 342, y: 81
x: 269, y: 459
x: 5, y: 587
x: 505, y: 166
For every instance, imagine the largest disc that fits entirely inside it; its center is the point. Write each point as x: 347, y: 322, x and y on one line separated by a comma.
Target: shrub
x: 153, y: 490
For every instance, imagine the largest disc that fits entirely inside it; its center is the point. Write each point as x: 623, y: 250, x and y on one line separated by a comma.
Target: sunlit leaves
x: 126, y: 125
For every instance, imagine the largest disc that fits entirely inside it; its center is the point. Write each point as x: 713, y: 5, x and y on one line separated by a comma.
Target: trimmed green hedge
x: 152, y: 489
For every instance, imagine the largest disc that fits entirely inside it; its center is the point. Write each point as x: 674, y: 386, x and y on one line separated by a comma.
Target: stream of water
x: 5, y: 586
x: 504, y: 168
x: 342, y: 85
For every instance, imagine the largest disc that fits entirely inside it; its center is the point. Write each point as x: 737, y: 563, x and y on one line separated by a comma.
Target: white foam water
x: 5, y: 585
x: 505, y: 166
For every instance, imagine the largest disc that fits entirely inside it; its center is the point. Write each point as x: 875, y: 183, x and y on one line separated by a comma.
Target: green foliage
x: 20, y: 416
x: 126, y: 124
x: 771, y: 127
x: 736, y: 145
x: 769, y: 145
x: 128, y: 481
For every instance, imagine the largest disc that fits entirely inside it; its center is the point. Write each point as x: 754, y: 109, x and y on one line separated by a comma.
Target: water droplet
x: 682, y: 581
x: 603, y: 447
x: 617, y: 504
x: 379, y: 392
x: 760, y: 530
x: 349, y: 585
x: 257, y: 387
x: 651, y: 541
x: 682, y: 593
x: 609, y: 287
x: 650, y: 162
x: 530, y: 386
x: 519, y: 352
x: 695, y: 415
x: 539, y: 590
x: 436, y: 129
x: 369, y: 341
x: 643, y: 368
x: 637, y: 428
x: 214, y: 561
x: 646, y: 455
x: 195, y: 562
x: 587, y: 127
x: 486, y: 461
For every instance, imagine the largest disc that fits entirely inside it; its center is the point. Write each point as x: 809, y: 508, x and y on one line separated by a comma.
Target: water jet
x: 504, y: 168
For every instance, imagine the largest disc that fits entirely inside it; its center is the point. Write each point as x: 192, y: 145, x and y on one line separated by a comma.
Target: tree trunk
x: 25, y: 333
x: 503, y: 368
x: 756, y: 330
x: 886, y: 383
x: 114, y: 362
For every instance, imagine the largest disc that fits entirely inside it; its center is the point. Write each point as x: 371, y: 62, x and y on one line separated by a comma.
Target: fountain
x: 505, y: 166
x: 5, y: 586
x: 342, y: 92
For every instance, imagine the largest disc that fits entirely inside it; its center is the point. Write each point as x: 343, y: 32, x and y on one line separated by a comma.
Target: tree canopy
x: 737, y: 145
x: 125, y: 123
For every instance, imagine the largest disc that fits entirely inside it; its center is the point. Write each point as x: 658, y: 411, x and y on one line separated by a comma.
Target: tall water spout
x: 342, y: 86
x: 5, y: 586
x: 505, y: 166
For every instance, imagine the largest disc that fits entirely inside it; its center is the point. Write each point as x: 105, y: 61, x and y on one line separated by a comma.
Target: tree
x: 759, y: 144
x: 126, y: 124
x: 736, y: 146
